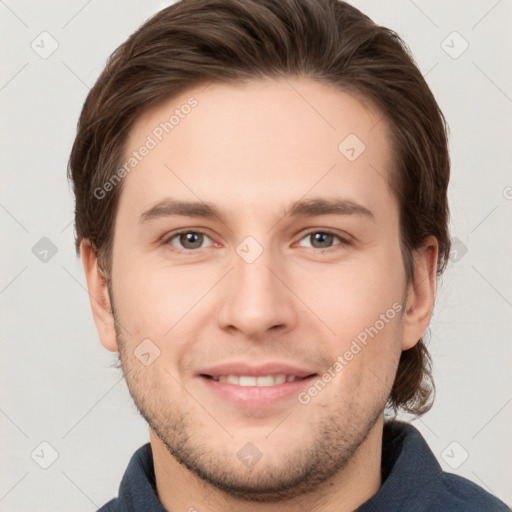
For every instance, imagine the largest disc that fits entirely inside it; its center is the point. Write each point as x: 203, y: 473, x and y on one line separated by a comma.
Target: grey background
x: 57, y: 383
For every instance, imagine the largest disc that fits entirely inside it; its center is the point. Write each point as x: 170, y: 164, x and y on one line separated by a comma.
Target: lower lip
x: 256, y: 396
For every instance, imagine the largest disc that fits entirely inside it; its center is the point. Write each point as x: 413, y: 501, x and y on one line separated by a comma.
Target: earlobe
x: 419, y: 301
x: 98, y: 297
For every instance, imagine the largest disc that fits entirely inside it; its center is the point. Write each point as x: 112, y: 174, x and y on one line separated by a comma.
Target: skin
x: 253, y: 150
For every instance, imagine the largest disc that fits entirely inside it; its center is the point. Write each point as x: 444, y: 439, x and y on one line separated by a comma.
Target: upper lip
x: 243, y: 368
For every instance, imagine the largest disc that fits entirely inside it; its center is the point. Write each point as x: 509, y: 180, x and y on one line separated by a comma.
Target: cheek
x: 154, y: 298
x: 360, y: 304
x: 349, y: 298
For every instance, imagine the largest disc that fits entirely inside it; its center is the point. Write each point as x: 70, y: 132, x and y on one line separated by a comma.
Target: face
x: 233, y: 312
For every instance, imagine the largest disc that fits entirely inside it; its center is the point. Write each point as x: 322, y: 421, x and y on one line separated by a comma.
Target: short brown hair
x: 233, y: 41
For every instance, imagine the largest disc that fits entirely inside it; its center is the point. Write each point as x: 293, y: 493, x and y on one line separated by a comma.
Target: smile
x: 250, y: 380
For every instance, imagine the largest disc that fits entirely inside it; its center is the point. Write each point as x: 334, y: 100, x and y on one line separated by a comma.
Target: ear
x: 419, y: 301
x: 98, y: 297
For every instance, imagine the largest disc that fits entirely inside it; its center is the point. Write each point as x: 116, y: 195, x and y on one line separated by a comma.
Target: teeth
x: 244, y: 381
x: 250, y: 380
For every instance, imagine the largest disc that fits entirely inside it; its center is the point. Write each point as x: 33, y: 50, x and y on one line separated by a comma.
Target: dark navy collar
x: 412, y: 481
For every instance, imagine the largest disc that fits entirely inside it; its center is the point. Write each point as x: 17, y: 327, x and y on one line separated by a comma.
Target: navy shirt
x: 413, y: 481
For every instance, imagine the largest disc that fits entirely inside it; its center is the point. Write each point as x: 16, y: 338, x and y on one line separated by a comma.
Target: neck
x: 180, y: 489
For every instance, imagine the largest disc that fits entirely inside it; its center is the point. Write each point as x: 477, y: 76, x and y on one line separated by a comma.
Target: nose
x: 257, y: 298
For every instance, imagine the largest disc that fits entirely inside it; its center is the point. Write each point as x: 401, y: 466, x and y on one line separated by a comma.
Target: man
x: 261, y: 211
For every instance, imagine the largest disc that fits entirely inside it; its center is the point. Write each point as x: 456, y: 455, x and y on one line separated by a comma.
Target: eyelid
x: 344, y: 240
x: 167, y: 238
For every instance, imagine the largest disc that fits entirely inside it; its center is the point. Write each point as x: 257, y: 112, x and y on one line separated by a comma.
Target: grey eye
x: 188, y: 240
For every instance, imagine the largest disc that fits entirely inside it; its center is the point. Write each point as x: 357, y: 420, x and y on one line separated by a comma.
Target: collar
x: 412, y: 480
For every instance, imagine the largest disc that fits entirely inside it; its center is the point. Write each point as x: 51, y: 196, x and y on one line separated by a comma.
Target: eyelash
x: 343, y: 242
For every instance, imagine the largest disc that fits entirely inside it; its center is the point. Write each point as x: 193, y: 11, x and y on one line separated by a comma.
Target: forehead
x: 263, y: 142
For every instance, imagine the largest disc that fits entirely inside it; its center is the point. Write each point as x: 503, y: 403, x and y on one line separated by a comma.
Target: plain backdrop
x: 65, y: 407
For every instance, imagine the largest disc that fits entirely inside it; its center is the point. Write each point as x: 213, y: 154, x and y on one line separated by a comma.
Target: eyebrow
x: 301, y: 208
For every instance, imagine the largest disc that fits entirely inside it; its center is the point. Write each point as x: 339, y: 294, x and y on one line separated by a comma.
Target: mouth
x: 258, y: 381
x: 252, y: 392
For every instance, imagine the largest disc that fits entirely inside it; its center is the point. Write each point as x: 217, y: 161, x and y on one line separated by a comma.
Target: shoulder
x: 137, y: 490
x: 111, y: 506
x: 413, y: 479
x: 458, y: 493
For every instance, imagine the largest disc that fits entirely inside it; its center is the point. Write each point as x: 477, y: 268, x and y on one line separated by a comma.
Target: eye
x: 323, y: 239
x: 188, y: 240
